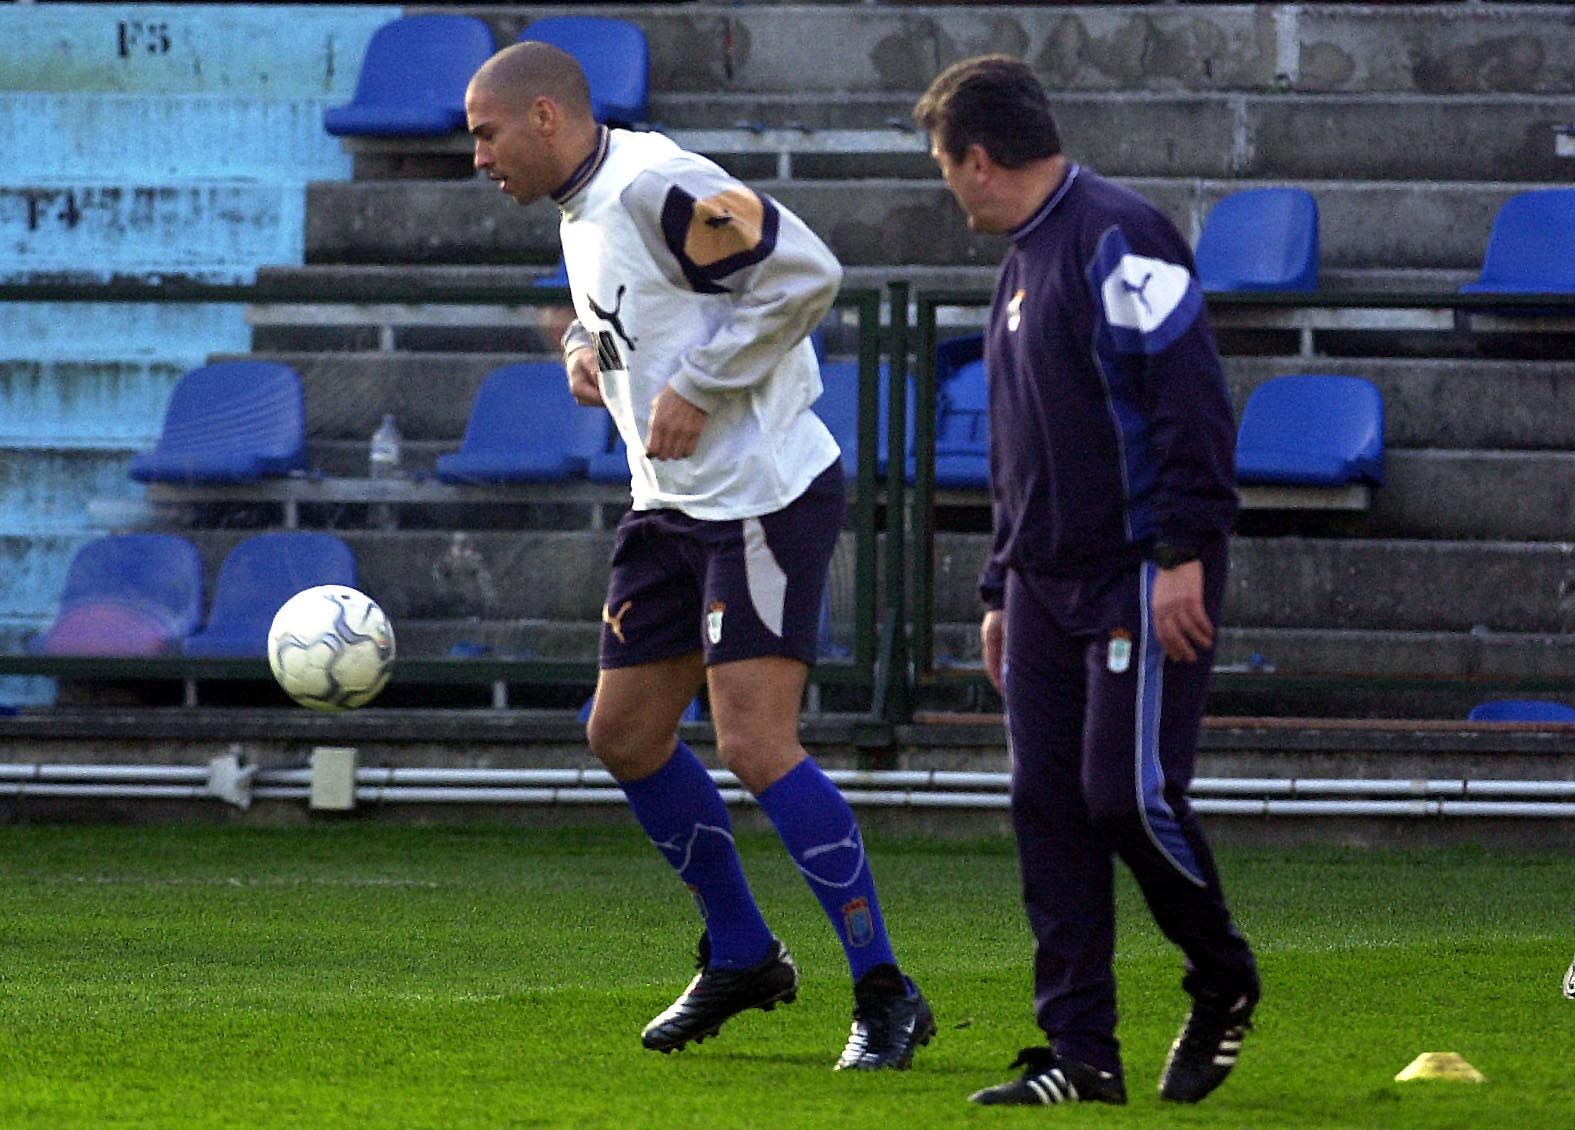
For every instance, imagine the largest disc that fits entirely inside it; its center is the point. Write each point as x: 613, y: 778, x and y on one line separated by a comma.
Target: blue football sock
x: 684, y: 815
x: 822, y: 835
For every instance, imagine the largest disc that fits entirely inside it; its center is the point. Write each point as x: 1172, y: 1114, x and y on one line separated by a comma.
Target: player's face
x: 510, y: 148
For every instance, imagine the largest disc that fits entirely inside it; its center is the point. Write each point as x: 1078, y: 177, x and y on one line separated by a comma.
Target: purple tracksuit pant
x: 1104, y: 735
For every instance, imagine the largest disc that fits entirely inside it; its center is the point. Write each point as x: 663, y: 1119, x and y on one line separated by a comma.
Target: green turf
x: 375, y: 976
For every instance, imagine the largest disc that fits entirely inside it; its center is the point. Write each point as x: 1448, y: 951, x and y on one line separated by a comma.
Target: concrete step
x: 1381, y: 653
x: 1463, y: 403
x: 1352, y: 583
x: 1286, y: 582
x: 858, y: 48
x: 1145, y: 133
x: 1141, y: 133
x: 1365, y: 225
x: 1476, y: 494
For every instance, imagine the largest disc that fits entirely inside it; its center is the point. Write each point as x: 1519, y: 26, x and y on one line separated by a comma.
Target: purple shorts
x: 735, y: 589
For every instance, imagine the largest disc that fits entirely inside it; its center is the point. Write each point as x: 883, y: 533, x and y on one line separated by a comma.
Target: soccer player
x: 1113, y: 490
x: 694, y: 297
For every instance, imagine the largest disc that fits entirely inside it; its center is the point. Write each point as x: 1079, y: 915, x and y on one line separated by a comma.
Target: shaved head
x: 529, y: 111
x: 526, y: 71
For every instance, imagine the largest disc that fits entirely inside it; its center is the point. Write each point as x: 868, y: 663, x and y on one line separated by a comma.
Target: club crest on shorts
x: 859, y: 923
x: 713, y: 621
x: 1118, y: 651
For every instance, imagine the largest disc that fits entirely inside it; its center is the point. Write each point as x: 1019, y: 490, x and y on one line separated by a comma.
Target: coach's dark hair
x: 993, y: 101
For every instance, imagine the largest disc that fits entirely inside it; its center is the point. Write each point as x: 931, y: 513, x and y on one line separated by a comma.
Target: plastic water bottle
x: 386, y: 452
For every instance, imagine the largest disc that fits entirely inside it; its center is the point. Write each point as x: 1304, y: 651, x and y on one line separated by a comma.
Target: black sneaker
x: 891, y: 1020
x: 1048, y: 1079
x: 1206, y: 1048
x: 717, y: 995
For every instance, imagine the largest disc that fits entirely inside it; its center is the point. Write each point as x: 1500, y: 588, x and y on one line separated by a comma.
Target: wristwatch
x: 1168, y: 556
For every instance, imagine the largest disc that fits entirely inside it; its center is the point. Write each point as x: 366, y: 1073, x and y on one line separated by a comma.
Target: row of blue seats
x: 1303, y: 429
x: 241, y: 421
x: 416, y: 68
x: 143, y: 594
x: 1266, y: 239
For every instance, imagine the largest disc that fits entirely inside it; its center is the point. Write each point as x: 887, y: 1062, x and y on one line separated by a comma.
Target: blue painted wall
x: 145, y: 140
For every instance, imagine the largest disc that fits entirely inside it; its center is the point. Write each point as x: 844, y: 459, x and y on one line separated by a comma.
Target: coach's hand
x: 1180, y: 620
x: 992, y: 642
x: 674, y: 426
x: 585, y: 379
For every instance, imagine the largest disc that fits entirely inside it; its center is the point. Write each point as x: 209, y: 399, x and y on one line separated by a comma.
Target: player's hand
x: 992, y: 641
x: 674, y: 427
x: 1180, y: 621
x: 585, y: 379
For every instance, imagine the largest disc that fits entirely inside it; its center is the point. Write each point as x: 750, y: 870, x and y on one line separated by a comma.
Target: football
x: 331, y: 647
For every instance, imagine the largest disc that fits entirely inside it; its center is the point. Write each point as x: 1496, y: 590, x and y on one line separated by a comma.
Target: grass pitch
x: 379, y: 976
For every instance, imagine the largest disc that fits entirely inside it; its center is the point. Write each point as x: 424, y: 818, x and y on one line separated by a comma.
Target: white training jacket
x: 682, y: 275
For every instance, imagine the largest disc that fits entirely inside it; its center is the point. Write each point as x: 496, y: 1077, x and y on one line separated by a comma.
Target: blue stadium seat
x: 259, y: 575
x: 838, y: 409
x: 524, y: 427
x: 962, y: 414
x: 1531, y: 249
x: 127, y: 594
x: 559, y: 276
x: 1521, y: 710
x: 615, y: 56
x: 1312, y: 431
x: 229, y: 422
x: 1260, y: 239
x: 413, y: 78
x: 962, y: 430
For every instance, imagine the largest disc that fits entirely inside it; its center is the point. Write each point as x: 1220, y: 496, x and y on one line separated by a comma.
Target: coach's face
x: 965, y: 178
x: 513, y: 143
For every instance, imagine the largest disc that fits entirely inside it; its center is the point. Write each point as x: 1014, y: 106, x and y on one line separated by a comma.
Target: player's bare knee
x: 758, y: 763
x: 627, y: 754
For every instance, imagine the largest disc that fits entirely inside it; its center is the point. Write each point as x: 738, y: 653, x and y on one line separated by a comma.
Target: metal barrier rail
x: 226, y: 779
